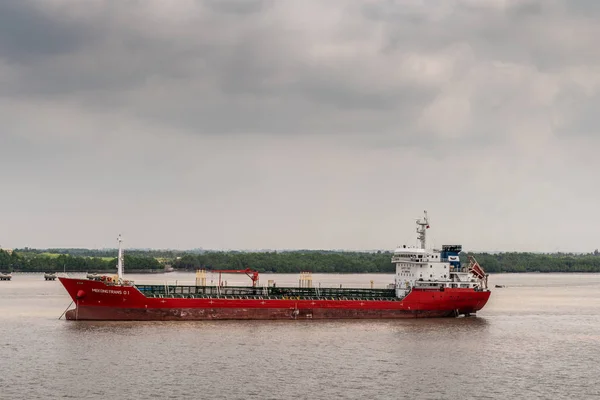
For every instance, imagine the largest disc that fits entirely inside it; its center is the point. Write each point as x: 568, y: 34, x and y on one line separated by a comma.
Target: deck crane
x: 251, y: 274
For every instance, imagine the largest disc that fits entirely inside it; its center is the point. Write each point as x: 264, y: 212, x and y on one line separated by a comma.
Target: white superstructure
x: 419, y: 267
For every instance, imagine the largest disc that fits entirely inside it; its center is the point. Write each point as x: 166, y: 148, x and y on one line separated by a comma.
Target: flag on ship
x: 477, y: 270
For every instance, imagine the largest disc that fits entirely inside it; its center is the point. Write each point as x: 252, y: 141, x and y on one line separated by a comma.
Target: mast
x: 422, y: 226
x: 120, y: 260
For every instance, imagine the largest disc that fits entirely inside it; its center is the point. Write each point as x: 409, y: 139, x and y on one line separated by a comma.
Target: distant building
x: 9, y: 251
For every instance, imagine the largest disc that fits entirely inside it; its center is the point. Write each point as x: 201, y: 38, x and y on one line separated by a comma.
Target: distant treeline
x: 281, y: 262
x: 30, y: 262
x: 104, y: 253
x: 535, y: 262
x: 358, y: 262
x: 291, y: 261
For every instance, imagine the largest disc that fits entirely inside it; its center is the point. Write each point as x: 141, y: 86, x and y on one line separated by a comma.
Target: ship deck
x: 245, y: 292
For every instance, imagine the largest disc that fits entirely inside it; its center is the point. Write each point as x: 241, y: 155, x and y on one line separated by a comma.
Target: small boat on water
x: 5, y: 277
x: 50, y: 276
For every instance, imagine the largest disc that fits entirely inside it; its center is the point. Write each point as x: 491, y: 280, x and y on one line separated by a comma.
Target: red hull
x: 97, y: 301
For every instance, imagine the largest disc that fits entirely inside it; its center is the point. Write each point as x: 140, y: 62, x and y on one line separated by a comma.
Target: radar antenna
x: 422, y: 226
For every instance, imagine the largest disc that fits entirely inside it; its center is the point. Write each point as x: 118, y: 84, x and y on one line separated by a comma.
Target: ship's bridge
x: 409, y: 250
x: 415, y: 254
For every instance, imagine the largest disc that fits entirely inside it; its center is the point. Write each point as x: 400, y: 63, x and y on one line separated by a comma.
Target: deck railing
x: 173, y: 291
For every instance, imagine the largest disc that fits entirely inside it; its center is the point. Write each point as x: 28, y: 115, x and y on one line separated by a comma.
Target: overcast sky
x: 249, y: 124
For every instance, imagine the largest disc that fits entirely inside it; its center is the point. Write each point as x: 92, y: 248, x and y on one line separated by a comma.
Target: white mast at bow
x: 120, y: 260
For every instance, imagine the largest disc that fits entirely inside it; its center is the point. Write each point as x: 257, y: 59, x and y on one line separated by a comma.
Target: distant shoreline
x: 282, y: 273
x: 156, y: 262
x: 92, y: 272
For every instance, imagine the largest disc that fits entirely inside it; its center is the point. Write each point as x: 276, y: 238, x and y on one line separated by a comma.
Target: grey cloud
x: 526, y: 8
x: 29, y: 32
x: 327, y: 108
x: 232, y: 66
x: 587, y: 8
x: 238, y: 6
x: 536, y: 33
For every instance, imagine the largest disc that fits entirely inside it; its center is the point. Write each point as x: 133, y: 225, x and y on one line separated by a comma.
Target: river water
x: 537, y: 338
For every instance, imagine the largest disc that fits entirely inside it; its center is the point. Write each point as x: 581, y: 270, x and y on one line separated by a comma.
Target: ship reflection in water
x: 413, y: 325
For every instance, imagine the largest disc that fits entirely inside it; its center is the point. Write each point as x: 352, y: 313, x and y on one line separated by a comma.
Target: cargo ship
x: 428, y: 283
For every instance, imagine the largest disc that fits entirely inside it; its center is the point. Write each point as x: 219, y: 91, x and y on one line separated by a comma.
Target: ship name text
x: 107, y: 291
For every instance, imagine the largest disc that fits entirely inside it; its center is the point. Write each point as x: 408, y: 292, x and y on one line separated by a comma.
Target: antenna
x: 422, y: 226
x: 120, y: 260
